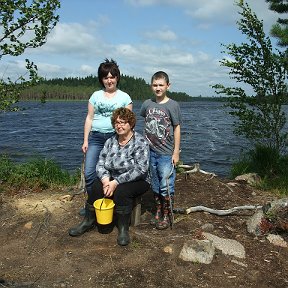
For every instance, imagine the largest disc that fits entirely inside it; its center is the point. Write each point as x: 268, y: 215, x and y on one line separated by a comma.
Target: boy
x: 162, y: 131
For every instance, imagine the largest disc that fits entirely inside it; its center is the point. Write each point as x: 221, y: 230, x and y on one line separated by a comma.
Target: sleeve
x: 143, y: 109
x: 92, y: 99
x: 141, y: 163
x: 175, y: 114
x: 128, y: 99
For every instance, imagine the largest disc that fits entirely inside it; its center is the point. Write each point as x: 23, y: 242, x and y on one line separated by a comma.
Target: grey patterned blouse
x: 124, y: 163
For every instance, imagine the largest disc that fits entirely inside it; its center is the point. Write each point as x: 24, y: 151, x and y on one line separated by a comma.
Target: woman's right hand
x: 85, y: 147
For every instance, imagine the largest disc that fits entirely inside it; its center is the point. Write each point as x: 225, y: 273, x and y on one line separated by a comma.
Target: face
x: 110, y: 82
x: 159, y: 87
x: 122, y: 127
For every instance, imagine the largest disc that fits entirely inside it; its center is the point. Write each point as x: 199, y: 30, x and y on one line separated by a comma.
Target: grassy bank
x: 37, y: 174
x: 271, y: 166
x: 41, y: 174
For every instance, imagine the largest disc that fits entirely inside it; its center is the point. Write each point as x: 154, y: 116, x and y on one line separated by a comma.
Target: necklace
x: 125, y: 141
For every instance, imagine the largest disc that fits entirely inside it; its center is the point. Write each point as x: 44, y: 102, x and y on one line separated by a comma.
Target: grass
x: 38, y: 172
x: 269, y: 164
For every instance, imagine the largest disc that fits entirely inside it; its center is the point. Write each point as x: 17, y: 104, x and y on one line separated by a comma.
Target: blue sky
x: 181, y: 37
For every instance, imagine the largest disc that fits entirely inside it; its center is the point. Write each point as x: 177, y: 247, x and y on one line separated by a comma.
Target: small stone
x: 28, y: 225
x: 168, y: 249
x: 277, y: 240
x: 65, y: 198
x: 208, y: 227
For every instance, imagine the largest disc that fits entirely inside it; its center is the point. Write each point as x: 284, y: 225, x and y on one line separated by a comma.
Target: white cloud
x: 76, y: 49
x: 161, y: 35
x: 69, y: 38
x: 87, y: 69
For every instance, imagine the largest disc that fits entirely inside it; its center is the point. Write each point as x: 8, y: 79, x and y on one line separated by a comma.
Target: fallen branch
x: 193, y: 169
x: 220, y: 212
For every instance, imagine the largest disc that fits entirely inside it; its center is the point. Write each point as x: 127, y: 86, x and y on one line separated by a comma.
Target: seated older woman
x: 122, y: 174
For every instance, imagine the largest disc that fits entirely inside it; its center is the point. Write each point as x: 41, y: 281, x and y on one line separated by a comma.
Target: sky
x: 180, y: 37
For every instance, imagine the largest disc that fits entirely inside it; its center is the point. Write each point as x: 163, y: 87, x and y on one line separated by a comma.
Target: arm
x: 177, y: 137
x: 129, y: 106
x: 103, y: 174
x: 87, y: 127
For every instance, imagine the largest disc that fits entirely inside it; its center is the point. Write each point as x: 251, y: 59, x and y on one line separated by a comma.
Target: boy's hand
x: 175, y: 157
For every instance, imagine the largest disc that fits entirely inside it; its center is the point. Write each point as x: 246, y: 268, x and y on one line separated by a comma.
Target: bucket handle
x: 102, y: 202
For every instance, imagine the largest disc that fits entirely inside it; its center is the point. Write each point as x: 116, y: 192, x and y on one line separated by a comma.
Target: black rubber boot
x: 82, y: 211
x: 123, y: 220
x: 88, y: 222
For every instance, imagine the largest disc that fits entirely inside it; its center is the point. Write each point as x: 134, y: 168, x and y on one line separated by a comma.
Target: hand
x: 85, y: 147
x: 108, y: 189
x: 175, y: 158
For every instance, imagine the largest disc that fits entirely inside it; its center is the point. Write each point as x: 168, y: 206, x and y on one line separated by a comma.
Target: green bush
x: 271, y: 166
x: 38, y: 172
x: 7, y: 168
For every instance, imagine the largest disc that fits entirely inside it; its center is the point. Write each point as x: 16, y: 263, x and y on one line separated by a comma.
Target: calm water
x: 55, y: 130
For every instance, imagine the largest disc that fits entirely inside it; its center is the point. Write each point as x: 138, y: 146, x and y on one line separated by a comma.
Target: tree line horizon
x: 81, y: 88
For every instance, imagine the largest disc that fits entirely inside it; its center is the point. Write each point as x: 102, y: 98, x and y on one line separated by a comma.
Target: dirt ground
x: 36, y: 250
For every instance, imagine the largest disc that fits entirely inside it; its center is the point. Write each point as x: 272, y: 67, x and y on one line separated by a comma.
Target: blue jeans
x: 163, y: 174
x: 96, y: 142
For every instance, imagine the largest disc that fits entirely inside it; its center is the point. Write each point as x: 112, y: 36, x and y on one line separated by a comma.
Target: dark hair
x: 106, y: 67
x: 124, y: 114
x: 160, y: 75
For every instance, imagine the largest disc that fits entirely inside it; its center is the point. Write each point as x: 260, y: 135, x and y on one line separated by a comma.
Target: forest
x: 82, y: 88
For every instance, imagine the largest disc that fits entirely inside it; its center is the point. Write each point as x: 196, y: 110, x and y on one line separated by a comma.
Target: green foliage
x: 269, y: 164
x: 260, y: 117
x: 179, y: 170
x: 82, y: 88
x: 280, y: 29
x: 37, y: 172
x: 10, y: 90
x: 24, y: 24
x: 7, y: 168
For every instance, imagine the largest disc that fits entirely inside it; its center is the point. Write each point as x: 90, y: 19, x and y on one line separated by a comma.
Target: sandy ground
x: 36, y: 250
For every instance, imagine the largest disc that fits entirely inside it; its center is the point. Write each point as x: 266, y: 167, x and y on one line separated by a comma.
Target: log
x: 193, y: 169
x: 220, y: 212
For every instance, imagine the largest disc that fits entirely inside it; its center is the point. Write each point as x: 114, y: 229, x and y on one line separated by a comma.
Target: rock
x: 227, y: 246
x: 198, y: 251
x: 272, y: 217
x: 250, y: 178
x: 277, y: 240
x: 28, y: 225
x: 65, y: 198
x: 168, y: 249
x: 254, y: 223
x: 207, y: 227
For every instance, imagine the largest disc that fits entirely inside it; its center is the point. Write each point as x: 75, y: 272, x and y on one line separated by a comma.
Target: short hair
x: 124, y: 114
x: 106, y: 67
x: 160, y: 75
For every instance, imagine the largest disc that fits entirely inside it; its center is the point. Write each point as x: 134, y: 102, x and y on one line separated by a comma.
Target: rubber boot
x: 88, y: 222
x: 166, y: 221
x: 82, y: 211
x: 123, y: 221
x: 158, y: 214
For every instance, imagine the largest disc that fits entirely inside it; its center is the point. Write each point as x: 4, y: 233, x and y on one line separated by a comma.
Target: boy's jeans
x: 160, y: 169
x: 95, y: 144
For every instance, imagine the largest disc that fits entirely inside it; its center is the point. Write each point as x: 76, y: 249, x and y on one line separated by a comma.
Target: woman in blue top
x: 98, y: 127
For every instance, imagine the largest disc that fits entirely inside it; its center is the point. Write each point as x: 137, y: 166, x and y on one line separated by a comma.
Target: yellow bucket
x: 104, y: 210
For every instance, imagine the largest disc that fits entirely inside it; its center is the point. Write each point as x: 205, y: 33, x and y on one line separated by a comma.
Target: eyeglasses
x: 120, y: 123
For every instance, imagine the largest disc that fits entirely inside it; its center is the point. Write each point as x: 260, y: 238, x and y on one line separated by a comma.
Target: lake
x: 54, y: 130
